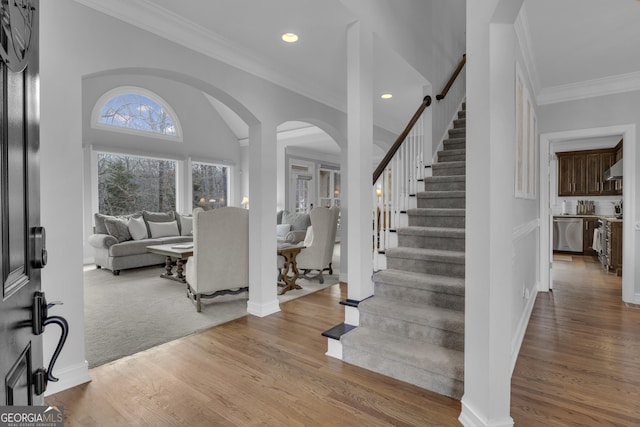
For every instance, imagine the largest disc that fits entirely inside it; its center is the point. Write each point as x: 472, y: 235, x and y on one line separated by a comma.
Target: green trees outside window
x: 210, y: 185
x: 127, y: 184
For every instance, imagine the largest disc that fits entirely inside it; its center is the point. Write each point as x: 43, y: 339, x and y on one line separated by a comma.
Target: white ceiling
x: 581, y: 48
x: 573, y: 48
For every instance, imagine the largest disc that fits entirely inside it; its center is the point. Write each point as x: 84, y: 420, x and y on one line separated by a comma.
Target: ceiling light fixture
x: 290, y: 37
x: 386, y: 96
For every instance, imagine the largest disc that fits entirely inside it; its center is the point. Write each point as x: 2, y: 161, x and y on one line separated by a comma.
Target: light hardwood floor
x: 578, y: 366
x: 252, y: 371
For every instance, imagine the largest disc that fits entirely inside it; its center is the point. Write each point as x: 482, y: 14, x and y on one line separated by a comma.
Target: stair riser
x: 431, y: 242
x: 462, y: 114
x: 444, y: 157
x: 441, y: 268
x: 444, y: 186
x: 420, y: 296
x: 459, y: 123
x: 432, y: 334
x: 454, y: 145
x: 457, y: 133
x: 436, y: 221
x: 443, y: 169
x: 425, y: 379
x: 447, y: 203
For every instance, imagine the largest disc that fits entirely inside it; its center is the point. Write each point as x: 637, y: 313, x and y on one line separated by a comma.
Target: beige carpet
x: 138, y: 310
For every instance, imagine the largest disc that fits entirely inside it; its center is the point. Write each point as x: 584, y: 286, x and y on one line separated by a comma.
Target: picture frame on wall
x: 525, y: 140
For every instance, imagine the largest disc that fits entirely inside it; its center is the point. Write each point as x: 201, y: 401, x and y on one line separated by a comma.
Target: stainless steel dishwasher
x: 567, y: 234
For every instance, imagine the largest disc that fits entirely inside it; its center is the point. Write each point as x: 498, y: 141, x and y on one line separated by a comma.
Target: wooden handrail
x: 396, y: 145
x: 453, y: 78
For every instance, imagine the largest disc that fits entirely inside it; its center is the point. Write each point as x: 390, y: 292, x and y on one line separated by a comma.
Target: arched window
x: 133, y: 109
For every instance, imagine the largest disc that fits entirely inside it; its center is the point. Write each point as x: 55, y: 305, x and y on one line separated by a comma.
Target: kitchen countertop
x: 609, y: 218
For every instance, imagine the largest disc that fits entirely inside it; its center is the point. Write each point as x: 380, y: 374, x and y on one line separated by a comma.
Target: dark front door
x: 20, y: 237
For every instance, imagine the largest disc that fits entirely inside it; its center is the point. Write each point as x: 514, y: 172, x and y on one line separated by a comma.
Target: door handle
x: 40, y: 319
x: 39, y: 245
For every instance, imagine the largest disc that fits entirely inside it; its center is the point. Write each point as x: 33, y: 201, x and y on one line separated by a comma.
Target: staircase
x: 413, y: 328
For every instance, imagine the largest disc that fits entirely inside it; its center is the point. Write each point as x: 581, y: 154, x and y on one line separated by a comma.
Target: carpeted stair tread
x: 427, y: 357
x: 459, y: 123
x: 454, y: 140
x: 446, y: 212
x: 452, y: 232
x: 434, y: 317
x: 429, y: 282
x: 457, y: 132
x: 451, y: 178
x: 451, y: 257
x: 452, y: 152
x: 440, y: 194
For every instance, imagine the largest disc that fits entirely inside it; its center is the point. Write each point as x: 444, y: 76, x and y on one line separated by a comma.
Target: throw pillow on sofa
x: 117, y: 228
x: 163, y: 229
x: 185, y: 224
x: 158, y: 217
x: 137, y: 228
x: 101, y: 228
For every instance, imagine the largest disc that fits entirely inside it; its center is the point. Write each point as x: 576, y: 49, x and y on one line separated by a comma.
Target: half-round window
x: 136, y: 110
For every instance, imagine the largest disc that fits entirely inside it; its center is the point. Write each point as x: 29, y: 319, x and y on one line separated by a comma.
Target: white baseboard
x: 334, y: 348
x: 69, y: 377
x: 470, y: 418
x: 521, y: 329
x: 262, y: 310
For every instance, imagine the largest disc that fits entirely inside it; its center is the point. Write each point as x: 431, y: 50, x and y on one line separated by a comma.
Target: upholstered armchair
x: 220, y: 261
x: 319, y: 242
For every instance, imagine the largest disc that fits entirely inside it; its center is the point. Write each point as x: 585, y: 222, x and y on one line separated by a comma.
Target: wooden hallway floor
x: 268, y: 371
x: 579, y: 364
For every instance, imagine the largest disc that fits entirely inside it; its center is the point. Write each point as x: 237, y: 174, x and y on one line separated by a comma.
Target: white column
x: 489, y: 217
x: 359, y: 162
x: 263, y: 298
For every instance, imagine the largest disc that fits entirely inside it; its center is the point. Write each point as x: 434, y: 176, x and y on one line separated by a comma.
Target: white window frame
x: 189, y: 183
x: 123, y: 90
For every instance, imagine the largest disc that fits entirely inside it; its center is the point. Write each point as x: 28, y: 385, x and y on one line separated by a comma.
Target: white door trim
x: 631, y: 225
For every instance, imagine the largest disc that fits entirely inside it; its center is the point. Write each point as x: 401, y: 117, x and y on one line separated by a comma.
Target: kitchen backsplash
x: 603, y: 205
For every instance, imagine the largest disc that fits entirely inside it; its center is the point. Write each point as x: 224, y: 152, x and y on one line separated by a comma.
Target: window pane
x: 210, y: 183
x: 127, y: 184
x: 137, y: 112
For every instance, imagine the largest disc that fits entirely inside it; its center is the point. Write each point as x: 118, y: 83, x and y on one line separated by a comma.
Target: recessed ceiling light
x: 386, y: 96
x: 290, y: 37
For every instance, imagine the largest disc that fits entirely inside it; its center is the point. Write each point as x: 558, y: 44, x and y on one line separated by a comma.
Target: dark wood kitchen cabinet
x: 571, y: 174
x: 597, y: 164
x: 590, y: 224
x: 581, y: 173
x: 616, y: 247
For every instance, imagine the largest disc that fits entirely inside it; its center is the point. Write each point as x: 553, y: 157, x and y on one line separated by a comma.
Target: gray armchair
x: 220, y: 261
x: 320, y: 241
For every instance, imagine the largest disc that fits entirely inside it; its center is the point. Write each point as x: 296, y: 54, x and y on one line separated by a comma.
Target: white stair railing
x: 396, y: 182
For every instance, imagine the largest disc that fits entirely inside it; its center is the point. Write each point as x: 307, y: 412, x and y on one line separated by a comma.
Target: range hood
x: 614, y: 172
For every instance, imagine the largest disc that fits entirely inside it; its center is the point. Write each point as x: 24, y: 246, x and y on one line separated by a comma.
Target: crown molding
x: 168, y: 25
x: 590, y: 88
